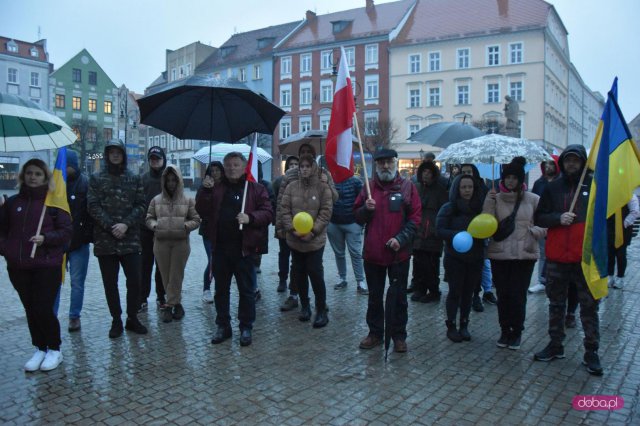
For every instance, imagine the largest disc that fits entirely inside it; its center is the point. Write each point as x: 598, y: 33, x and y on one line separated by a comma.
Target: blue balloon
x: 462, y: 242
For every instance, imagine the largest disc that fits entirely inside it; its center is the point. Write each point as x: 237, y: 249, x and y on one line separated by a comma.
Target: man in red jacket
x: 392, y: 216
x: 564, y: 255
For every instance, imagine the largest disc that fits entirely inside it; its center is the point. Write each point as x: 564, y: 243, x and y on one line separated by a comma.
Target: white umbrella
x: 493, y: 148
x: 218, y: 151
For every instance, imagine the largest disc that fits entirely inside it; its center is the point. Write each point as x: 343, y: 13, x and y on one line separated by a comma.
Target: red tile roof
x: 443, y: 19
x: 24, y: 49
x: 365, y: 22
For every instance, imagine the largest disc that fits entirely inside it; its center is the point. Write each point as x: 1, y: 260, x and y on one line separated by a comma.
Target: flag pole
x: 246, y: 182
x: 33, y: 249
x: 364, y: 163
x: 575, y: 196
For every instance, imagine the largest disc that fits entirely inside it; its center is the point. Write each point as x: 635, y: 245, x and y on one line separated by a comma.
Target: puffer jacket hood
x: 555, y: 160
x: 574, y: 149
x: 118, y: 144
x: 180, y: 188
x: 454, y: 191
x: 431, y: 166
x: 476, y: 172
x: 314, y: 176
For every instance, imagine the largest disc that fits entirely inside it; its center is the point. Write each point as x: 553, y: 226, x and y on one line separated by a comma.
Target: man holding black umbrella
x: 392, y: 214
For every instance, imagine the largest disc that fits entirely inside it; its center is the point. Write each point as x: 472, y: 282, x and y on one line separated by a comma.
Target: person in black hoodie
x: 152, y: 187
x: 463, y: 269
x: 427, y: 246
x: 78, y: 250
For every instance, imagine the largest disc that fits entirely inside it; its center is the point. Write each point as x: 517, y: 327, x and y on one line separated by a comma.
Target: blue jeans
x: 78, y: 263
x: 351, y: 234
x: 487, y: 279
x: 206, y: 279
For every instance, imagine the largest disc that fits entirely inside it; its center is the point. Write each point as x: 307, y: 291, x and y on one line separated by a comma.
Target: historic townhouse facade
x: 456, y: 61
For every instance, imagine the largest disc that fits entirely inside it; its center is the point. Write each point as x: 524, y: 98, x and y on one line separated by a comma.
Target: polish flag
x: 251, y: 171
x: 339, y: 140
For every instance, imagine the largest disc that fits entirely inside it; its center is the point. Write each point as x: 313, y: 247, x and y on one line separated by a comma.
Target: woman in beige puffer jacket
x: 308, y: 194
x: 172, y: 216
x: 513, y: 259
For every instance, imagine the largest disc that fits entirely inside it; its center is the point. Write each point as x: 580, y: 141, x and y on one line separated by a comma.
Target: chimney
x: 503, y: 8
x: 369, y: 4
x: 310, y: 16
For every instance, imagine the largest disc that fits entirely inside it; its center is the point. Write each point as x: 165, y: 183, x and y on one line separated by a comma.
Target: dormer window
x: 339, y: 26
x: 12, y: 47
x: 227, y: 50
x: 265, y: 41
x: 33, y: 52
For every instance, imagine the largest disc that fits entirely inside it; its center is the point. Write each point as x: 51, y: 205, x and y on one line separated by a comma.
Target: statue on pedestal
x: 511, y: 109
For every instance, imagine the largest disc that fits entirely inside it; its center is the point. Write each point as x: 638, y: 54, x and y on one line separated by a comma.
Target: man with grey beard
x: 391, y: 214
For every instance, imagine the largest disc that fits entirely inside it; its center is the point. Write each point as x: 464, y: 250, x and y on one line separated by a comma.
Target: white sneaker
x: 618, y: 282
x: 362, y: 288
x: 612, y: 281
x: 34, y: 362
x: 536, y: 288
x: 51, y: 361
x: 207, y: 297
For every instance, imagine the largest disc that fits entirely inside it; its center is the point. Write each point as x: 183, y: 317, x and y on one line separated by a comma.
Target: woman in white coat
x: 513, y: 258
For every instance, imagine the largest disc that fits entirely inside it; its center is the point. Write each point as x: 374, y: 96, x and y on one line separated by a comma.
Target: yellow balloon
x: 483, y: 226
x: 303, y: 223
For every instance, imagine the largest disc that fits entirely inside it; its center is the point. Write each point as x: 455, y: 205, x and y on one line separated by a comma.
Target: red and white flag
x: 339, y: 139
x: 251, y: 171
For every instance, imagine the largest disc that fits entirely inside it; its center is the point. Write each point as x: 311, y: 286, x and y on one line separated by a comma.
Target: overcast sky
x: 128, y: 38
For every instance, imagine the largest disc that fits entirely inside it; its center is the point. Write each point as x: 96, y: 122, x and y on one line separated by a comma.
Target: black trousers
x: 396, y: 302
x: 146, y: 241
x: 305, y: 267
x: 511, y: 279
x: 619, y: 256
x: 225, y: 266
x: 464, y: 278
x: 283, y: 260
x: 110, y: 268
x: 38, y: 289
x: 426, y: 272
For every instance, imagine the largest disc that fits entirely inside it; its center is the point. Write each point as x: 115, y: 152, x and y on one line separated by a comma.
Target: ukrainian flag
x: 615, y: 160
x: 57, y: 197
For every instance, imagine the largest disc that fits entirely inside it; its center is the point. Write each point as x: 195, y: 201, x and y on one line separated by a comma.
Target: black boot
x: 305, y: 311
x: 321, y: 319
x: 505, y: 338
x: 464, y: 332
x: 452, y: 332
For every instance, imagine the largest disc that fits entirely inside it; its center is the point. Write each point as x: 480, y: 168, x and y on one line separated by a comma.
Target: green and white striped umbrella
x: 24, y: 126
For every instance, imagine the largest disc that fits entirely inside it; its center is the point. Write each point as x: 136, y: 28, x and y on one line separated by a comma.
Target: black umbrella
x: 207, y: 108
x: 445, y: 133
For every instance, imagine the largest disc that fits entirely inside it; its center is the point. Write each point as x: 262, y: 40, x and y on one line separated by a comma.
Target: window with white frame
x: 181, y: 71
x: 12, y: 47
x: 371, y: 54
x: 242, y: 74
x: 257, y: 72
x: 12, y: 75
x: 285, y: 128
x: 305, y: 63
x: 493, y: 93
x: 185, y: 167
x: 414, y: 97
x: 324, y: 122
x: 285, y: 67
x: 515, y: 53
x: 371, y: 85
x: 157, y: 142
x: 493, y: 55
x: 188, y: 69
x: 35, y: 79
x: 33, y: 52
x: 305, y: 124
x: 414, y: 63
x: 305, y: 95
x: 434, y: 61
x: 326, y: 57
x: 462, y: 94
x: 434, y: 96
x: 173, y: 74
x: 163, y: 143
x: 371, y: 127
x: 463, y: 58
x: 413, y: 129
x: 515, y: 90
x: 326, y: 91
x: 285, y: 96
x: 351, y: 56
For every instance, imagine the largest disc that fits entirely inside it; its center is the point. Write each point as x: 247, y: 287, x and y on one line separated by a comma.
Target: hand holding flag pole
x: 251, y: 172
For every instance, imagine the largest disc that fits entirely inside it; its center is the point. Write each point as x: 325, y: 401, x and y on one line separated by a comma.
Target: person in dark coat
x: 232, y: 247
x: 36, y: 279
x: 264, y: 249
x: 427, y: 246
x: 116, y: 204
x: 463, y: 269
x: 78, y: 250
x: 565, y: 234
x: 152, y: 187
x: 216, y: 172
x: 284, y: 252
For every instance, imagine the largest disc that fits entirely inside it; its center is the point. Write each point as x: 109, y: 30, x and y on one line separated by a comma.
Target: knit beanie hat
x: 515, y: 168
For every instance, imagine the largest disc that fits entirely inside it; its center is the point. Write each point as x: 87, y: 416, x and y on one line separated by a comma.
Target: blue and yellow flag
x: 615, y: 160
x: 57, y: 197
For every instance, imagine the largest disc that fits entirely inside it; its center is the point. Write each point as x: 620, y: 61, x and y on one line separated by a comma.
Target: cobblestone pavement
x: 294, y: 374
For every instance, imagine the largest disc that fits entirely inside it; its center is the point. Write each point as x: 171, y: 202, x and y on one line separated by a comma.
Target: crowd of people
x: 137, y: 221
